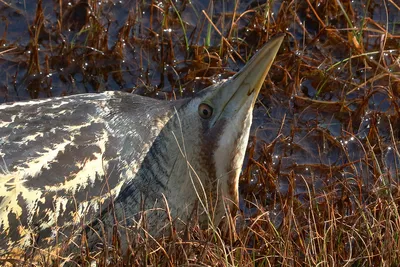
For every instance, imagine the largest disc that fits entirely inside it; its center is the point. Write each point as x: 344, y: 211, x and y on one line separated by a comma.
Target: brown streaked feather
x: 61, y: 160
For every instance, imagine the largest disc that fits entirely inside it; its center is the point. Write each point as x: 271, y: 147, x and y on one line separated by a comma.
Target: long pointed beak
x: 241, y: 91
x: 249, y: 80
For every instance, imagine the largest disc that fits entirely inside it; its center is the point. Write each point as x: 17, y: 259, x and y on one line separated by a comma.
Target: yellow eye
x: 205, y: 111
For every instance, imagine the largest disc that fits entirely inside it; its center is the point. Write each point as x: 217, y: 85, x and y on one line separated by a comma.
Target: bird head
x: 213, y: 134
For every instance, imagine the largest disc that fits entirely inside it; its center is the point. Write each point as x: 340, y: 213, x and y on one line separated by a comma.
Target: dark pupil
x: 205, y: 112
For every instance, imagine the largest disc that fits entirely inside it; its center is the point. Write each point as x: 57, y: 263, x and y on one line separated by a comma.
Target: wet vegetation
x: 320, y: 182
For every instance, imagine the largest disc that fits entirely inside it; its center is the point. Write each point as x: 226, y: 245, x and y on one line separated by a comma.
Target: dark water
x: 54, y: 50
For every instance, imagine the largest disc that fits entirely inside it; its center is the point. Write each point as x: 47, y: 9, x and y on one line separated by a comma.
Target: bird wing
x: 61, y: 159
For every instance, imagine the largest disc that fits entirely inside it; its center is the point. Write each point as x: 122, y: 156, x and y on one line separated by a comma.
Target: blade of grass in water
x: 209, y: 28
x: 182, y: 25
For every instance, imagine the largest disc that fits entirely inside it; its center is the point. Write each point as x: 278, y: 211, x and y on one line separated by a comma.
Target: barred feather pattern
x: 64, y: 160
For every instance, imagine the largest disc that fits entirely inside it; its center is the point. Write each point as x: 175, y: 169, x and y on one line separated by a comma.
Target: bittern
x: 95, y: 161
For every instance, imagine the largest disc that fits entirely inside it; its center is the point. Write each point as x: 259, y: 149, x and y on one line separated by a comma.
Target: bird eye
x: 205, y: 111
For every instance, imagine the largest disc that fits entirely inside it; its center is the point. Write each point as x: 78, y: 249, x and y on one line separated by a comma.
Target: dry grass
x: 320, y: 185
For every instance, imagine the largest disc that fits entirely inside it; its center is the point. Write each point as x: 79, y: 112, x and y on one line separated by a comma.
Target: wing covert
x: 62, y: 159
